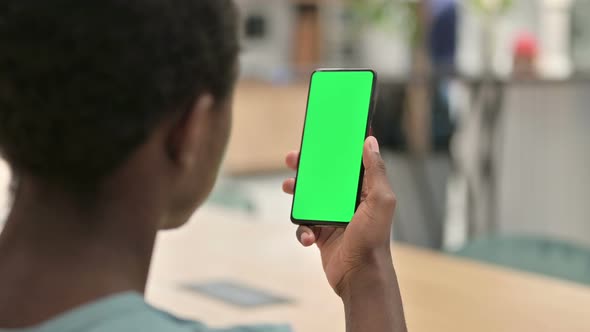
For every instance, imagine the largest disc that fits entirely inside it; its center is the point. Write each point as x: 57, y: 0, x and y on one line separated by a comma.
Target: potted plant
x: 489, y: 11
x: 386, y: 32
x: 387, y: 22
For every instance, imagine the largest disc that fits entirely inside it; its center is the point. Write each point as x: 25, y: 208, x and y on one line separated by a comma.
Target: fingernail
x: 304, y: 236
x: 374, y: 144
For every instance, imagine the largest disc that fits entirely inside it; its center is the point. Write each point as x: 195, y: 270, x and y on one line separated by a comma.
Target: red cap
x: 526, y: 46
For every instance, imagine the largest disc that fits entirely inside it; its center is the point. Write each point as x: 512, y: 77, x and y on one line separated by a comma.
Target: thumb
x: 380, y: 198
x: 375, y: 173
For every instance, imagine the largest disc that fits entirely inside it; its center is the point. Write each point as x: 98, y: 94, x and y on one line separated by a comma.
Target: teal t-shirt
x: 128, y: 312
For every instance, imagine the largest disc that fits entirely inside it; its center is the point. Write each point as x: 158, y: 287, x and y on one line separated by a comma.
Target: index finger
x: 292, y: 160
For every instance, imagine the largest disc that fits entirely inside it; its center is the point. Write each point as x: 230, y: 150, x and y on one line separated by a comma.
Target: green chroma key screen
x: 332, y: 146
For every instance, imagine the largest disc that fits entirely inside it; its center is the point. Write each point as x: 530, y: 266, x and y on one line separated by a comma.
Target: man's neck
x: 55, y: 256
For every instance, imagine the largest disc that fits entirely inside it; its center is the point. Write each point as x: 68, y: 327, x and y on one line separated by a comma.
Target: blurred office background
x: 483, y: 114
x: 482, y: 110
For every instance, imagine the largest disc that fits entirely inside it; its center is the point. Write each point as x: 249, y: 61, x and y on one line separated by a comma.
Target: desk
x: 440, y: 293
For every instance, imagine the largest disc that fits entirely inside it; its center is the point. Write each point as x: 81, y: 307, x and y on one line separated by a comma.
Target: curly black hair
x: 83, y: 83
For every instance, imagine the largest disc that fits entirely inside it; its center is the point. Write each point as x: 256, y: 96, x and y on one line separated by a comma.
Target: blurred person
x: 442, y: 39
x: 443, y: 34
x: 525, y: 55
x: 114, y: 117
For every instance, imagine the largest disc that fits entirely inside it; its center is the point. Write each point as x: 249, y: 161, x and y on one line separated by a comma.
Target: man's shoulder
x: 129, y: 312
x: 156, y: 320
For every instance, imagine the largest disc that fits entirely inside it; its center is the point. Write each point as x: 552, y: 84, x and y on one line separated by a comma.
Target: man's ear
x: 189, y: 131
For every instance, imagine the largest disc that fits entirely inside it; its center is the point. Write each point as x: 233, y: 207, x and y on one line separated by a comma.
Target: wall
x: 544, y: 161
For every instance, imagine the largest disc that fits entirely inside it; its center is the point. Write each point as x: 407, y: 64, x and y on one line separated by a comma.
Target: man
x: 114, y: 116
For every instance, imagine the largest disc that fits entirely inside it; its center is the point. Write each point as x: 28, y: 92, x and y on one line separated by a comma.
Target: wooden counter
x: 441, y: 293
x: 268, y: 122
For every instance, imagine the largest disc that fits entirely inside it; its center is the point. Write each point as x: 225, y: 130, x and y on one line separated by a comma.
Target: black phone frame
x: 367, y: 133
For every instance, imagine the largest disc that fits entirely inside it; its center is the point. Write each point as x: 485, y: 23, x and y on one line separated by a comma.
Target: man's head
x: 90, y: 87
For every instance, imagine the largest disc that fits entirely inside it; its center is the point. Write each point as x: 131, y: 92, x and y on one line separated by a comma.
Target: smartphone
x: 337, y: 122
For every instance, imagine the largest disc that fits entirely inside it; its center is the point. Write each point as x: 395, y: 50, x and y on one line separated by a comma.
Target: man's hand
x: 357, y: 259
x: 365, y: 243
